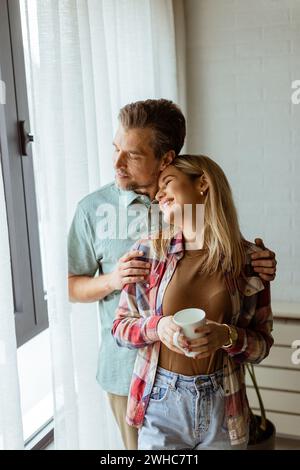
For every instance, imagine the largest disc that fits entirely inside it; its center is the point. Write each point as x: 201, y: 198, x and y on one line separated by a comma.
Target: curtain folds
x: 11, y: 432
x: 84, y: 60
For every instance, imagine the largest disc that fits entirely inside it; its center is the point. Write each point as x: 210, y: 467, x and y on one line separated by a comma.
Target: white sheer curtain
x: 85, y: 59
x: 11, y: 432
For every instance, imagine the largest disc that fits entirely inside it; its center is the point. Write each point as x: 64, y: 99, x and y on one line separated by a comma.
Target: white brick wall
x: 241, y: 59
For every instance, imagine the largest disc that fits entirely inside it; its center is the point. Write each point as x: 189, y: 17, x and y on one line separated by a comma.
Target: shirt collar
x: 127, y: 197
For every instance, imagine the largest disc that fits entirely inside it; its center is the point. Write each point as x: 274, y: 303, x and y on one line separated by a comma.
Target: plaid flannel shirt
x: 140, y: 309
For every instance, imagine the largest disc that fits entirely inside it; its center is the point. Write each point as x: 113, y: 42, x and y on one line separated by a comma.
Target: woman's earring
x: 201, y: 192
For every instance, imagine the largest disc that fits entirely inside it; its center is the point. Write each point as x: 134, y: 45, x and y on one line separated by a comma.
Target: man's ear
x: 166, y: 160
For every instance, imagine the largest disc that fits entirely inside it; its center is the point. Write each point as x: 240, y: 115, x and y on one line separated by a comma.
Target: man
x: 150, y: 135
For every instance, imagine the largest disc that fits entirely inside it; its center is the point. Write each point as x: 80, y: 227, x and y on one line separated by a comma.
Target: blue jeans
x: 186, y: 413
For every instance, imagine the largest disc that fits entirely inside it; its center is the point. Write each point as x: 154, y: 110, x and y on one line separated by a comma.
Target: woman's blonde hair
x: 222, y: 236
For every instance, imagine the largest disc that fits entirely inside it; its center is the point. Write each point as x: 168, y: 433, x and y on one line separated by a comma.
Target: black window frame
x: 30, y: 306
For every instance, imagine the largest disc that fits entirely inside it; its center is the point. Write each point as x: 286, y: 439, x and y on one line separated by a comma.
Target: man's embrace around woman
x: 179, y: 402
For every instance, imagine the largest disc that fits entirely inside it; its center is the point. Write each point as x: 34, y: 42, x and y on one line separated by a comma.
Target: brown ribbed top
x: 189, y: 287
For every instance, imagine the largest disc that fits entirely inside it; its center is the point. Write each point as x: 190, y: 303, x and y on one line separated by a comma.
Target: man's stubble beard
x: 131, y: 186
x: 134, y: 186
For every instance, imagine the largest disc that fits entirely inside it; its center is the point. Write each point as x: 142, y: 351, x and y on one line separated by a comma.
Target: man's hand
x: 129, y: 271
x: 213, y: 336
x: 166, y: 329
x: 264, y: 262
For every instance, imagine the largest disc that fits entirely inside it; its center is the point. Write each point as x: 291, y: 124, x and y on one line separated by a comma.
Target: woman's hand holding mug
x: 189, y: 333
x: 213, y: 336
x: 189, y: 320
x: 166, y: 329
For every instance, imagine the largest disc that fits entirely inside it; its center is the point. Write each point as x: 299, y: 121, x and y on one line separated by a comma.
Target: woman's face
x: 176, y: 190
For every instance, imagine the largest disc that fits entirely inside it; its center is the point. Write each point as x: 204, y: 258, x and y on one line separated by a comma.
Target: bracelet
x: 225, y: 346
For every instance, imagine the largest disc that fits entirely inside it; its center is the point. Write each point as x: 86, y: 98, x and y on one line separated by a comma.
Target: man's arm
x: 91, y: 289
x: 264, y: 262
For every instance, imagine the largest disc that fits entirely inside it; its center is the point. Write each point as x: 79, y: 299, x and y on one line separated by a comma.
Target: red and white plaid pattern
x: 140, y: 309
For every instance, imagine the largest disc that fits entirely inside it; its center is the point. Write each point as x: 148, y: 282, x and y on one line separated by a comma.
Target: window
x: 30, y: 307
x: 34, y: 366
x: 16, y: 158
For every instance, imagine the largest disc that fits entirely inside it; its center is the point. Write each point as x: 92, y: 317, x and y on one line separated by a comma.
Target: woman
x: 179, y: 402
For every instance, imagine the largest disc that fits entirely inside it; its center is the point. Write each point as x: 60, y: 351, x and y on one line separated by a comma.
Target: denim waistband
x: 187, y: 381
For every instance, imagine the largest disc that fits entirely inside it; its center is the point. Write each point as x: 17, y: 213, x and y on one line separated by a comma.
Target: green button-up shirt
x: 106, y: 224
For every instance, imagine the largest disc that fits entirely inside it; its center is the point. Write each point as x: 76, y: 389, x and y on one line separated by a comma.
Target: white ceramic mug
x: 188, y: 319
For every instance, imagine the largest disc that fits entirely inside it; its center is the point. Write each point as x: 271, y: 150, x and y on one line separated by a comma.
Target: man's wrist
x: 109, y: 285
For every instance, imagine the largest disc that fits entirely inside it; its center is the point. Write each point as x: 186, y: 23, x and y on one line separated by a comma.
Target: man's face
x: 135, y: 164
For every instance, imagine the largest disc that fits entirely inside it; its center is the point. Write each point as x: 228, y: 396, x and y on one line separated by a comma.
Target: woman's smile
x: 165, y: 203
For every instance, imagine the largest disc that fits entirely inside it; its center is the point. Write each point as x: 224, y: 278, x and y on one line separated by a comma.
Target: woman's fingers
x: 183, y: 341
x: 195, y: 343
x: 169, y: 337
x: 204, y: 330
x: 168, y: 341
x: 201, y: 349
